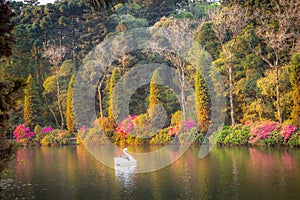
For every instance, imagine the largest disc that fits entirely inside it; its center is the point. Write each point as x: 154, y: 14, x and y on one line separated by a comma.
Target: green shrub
x: 222, y: 134
x: 294, y: 139
x: 274, y: 138
x: 95, y: 136
x: 162, y: 137
x: 237, y: 135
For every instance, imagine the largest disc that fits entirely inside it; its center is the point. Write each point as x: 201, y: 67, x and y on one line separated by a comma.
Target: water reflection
x: 226, y: 173
x: 125, y: 175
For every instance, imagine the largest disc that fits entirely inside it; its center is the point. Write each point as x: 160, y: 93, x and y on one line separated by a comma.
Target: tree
x: 32, y: 104
x: 155, y: 94
x: 56, y: 55
x: 115, y: 76
x: 228, y: 23
x: 295, y: 81
x: 9, y: 94
x: 69, y: 111
x: 6, y: 27
x: 202, y: 102
x: 278, y: 31
x: 181, y: 29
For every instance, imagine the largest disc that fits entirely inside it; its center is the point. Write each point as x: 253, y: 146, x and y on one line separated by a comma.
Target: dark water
x: 226, y: 173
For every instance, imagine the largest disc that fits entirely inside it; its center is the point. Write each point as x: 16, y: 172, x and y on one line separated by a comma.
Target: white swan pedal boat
x: 124, y: 160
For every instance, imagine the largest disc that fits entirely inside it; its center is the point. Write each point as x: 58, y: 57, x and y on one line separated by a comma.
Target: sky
x: 46, y: 1
x: 42, y: 1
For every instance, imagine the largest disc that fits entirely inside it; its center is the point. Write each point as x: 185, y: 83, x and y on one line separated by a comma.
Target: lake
x: 71, y: 172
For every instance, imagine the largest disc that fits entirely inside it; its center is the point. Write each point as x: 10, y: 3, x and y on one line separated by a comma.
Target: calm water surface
x: 226, y: 173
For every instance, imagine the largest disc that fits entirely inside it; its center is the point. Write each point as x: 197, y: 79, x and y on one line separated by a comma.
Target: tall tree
x: 278, y: 29
x: 32, y: 104
x: 155, y: 93
x: 228, y: 23
x: 295, y: 81
x: 56, y: 55
x: 69, y: 111
x: 181, y: 29
x: 202, y: 102
x: 6, y: 27
x: 9, y: 94
x: 115, y: 76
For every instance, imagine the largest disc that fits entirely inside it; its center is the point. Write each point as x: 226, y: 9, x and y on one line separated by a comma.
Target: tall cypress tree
x: 202, y: 103
x: 295, y: 81
x: 32, y: 103
x: 69, y: 110
x: 155, y: 96
x: 115, y: 76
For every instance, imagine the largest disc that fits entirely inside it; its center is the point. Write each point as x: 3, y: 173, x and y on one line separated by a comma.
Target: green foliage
x: 161, y: 138
x: 233, y: 135
x: 295, y: 81
x: 95, y: 136
x: 199, y: 138
x: 294, y: 139
x: 129, y: 22
x: 6, y: 27
x: 208, y: 40
x: 69, y: 110
x: 176, y: 118
x: 155, y: 95
x: 202, y: 102
x: 107, y: 126
x: 115, y: 76
x: 32, y: 104
x: 184, y: 15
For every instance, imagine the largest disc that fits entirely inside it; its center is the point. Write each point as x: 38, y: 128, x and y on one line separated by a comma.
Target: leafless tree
x: 176, y: 33
x: 276, y: 30
x: 55, y: 56
x: 228, y: 23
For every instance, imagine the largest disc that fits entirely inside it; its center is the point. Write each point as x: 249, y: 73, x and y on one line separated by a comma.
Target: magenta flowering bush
x: 186, y: 125
x: 47, y: 129
x: 262, y: 130
x: 182, y: 127
x: 23, y: 134
x: 286, y: 131
x: 126, y: 126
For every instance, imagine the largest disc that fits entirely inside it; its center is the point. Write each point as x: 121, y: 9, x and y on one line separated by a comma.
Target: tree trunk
x: 231, y: 95
x: 51, y: 110
x: 37, y: 66
x: 59, y: 104
x: 278, y: 95
x: 100, y: 100
x: 183, y: 105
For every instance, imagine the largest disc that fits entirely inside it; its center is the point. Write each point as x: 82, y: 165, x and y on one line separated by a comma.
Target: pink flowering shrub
x: 182, y: 127
x: 47, y: 129
x: 23, y: 134
x: 261, y: 130
x: 126, y: 126
x: 286, y: 131
x: 133, y: 130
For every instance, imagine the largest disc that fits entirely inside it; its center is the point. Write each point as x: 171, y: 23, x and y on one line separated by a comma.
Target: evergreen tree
x: 69, y: 111
x: 202, y: 103
x: 115, y: 76
x: 6, y: 27
x: 155, y: 95
x: 32, y: 103
x: 295, y: 81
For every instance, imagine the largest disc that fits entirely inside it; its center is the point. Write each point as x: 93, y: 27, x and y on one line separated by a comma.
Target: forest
x: 253, y: 45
